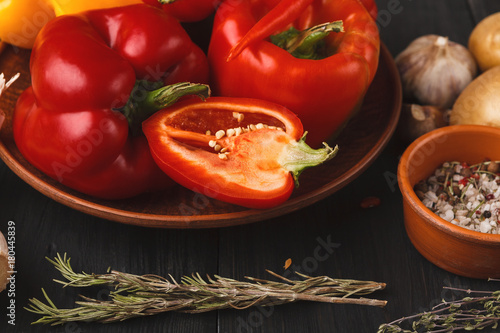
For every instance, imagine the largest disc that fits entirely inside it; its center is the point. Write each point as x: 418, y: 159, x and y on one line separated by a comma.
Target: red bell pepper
x: 322, y: 77
x: 186, y: 10
x: 371, y: 7
x: 243, y: 151
x: 85, y: 72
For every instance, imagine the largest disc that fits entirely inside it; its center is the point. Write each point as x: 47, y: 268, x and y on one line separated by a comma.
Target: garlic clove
x: 435, y: 70
x: 4, y: 263
x: 416, y: 120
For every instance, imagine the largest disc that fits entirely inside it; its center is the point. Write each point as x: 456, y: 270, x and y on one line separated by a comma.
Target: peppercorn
x: 466, y: 172
x: 421, y: 186
x: 493, y: 167
x: 439, y: 191
x: 487, y: 214
x: 420, y: 194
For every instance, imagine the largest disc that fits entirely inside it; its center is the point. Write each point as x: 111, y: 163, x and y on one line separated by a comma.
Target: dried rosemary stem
x: 468, y: 313
x: 136, y: 296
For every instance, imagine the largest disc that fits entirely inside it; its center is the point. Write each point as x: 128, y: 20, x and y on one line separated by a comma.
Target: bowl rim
x: 409, y: 194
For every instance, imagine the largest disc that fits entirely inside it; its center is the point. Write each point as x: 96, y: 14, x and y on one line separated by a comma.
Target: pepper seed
x: 238, y: 116
x: 230, y: 132
x: 219, y: 134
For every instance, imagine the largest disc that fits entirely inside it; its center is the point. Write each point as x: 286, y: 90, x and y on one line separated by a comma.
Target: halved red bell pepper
x: 243, y: 151
x: 325, y: 86
x: 85, y: 70
x: 186, y: 10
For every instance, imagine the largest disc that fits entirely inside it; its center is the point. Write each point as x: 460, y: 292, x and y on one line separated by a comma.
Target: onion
x: 479, y: 102
x: 484, y: 42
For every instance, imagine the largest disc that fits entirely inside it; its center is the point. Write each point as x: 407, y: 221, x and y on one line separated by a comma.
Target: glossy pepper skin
x: 371, y: 7
x: 23, y: 19
x: 83, y: 70
x: 187, y: 10
x: 323, y: 92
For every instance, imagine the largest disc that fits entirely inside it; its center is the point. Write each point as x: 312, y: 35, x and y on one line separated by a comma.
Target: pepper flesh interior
x: 201, y: 121
x: 209, y: 121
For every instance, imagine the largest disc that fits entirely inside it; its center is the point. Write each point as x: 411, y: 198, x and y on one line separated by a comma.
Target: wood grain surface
x: 333, y: 236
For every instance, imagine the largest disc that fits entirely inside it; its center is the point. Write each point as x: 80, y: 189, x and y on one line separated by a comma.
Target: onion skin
x: 4, y: 263
x: 484, y: 42
x: 479, y: 102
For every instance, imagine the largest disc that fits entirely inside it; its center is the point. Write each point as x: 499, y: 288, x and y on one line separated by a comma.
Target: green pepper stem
x: 280, y: 16
x: 143, y: 102
x: 168, y: 95
x: 305, y: 44
x: 165, y: 2
x: 299, y: 156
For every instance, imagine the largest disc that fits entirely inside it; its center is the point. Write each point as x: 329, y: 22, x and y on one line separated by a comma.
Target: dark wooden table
x: 357, y: 243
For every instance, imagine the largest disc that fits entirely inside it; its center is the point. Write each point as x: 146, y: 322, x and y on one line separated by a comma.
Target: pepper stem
x: 146, y: 99
x: 284, y: 13
x: 299, y: 156
x: 306, y: 44
x: 165, y: 2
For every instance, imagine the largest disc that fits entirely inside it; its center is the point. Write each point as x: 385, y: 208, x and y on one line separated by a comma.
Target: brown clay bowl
x: 458, y: 250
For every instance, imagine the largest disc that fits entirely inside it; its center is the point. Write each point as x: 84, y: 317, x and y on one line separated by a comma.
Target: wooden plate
x: 360, y: 143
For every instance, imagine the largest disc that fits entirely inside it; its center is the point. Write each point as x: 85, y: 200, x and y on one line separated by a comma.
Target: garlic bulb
x: 435, y: 70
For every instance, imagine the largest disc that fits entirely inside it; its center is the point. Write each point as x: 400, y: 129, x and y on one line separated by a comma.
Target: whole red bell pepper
x: 371, y: 7
x: 318, y: 74
x: 187, y: 10
x: 95, y: 76
x: 243, y: 151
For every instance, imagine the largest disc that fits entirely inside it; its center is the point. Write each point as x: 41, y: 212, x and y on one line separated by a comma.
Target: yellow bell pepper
x: 21, y: 20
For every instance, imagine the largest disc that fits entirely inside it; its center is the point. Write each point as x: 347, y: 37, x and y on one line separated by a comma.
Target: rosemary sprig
x: 145, y: 295
x: 466, y: 314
